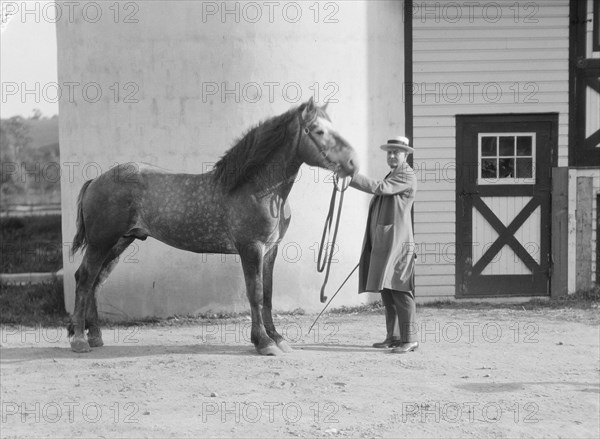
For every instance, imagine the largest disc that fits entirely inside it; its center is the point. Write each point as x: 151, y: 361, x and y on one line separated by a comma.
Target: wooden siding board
x: 429, y: 290
x: 467, y: 45
x: 434, y: 269
x: 428, y: 75
x: 443, y: 208
x: 511, y: 66
x: 485, y: 109
x: 434, y: 221
x: 436, y: 280
x: 479, y: 55
x: 424, y: 196
x: 434, y: 227
x: 431, y: 34
x: 445, y: 188
x: 431, y: 152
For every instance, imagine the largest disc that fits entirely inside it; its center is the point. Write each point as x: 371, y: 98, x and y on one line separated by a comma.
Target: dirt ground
x: 478, y: 373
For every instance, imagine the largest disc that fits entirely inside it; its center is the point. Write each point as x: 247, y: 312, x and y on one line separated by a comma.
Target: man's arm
x: 397, y: 183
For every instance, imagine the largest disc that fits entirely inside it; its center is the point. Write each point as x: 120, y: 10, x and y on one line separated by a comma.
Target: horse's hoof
x: 284, y: 346
x: 80, y: 346
x: 95, y: 342
x: 271, y: 349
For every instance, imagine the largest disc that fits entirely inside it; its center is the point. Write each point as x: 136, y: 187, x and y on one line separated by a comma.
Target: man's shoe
x: 387, y: 344
x: 403, y: 348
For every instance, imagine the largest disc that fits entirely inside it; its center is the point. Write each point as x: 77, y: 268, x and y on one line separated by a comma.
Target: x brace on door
x: 506, y: 235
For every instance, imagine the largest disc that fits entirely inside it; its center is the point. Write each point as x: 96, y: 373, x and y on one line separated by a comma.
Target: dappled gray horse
x: 240, y: 207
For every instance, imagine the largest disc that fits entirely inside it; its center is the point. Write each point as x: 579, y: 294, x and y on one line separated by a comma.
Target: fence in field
x: 24, y: 210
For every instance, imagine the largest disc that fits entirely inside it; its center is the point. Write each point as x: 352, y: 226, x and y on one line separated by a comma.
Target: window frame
x: 512, y: 180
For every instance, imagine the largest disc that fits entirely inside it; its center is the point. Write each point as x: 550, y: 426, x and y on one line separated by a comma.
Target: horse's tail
x: 79, y: 239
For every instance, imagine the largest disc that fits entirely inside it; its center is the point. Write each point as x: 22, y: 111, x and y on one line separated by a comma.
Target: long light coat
x: 387, y: 258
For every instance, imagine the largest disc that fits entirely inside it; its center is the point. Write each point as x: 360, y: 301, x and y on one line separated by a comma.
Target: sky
x: 28, y: 62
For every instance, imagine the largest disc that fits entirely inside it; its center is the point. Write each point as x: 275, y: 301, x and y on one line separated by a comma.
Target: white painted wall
x: 464, y: 55
x: 168, y: 62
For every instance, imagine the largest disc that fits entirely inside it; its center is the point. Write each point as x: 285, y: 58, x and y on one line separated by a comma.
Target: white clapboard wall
x: 480, y: 63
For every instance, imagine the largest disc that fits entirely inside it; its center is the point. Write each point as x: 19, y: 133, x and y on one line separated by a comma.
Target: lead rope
x: 325, y: 257
x: 322, y: 264
x: 333, y: 297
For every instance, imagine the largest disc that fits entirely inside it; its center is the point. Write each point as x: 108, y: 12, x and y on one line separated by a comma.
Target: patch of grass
x: 359, y: 309
x: 194, y: 319
x: 43, y: 304
x: 33, y: 304
x: 31, y: 244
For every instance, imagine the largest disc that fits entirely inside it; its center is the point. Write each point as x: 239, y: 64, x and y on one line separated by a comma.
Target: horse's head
x: 321, y: 145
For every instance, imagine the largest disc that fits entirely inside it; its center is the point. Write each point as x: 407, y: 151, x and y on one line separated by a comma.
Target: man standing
x: 387, y: 258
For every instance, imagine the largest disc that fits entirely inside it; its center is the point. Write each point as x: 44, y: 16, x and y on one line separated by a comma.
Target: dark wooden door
x: 503, y: 204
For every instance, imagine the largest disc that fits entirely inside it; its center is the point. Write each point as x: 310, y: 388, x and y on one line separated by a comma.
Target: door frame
x: 467, y: 170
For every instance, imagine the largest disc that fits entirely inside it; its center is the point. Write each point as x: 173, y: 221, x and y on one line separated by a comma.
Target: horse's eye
x: 320, y: 132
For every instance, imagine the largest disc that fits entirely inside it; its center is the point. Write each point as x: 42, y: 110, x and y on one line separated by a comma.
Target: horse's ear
x: 324, y: 107
x: 309, y: 109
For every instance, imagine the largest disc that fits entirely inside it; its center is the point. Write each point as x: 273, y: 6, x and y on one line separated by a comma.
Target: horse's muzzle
x: 349, y: 168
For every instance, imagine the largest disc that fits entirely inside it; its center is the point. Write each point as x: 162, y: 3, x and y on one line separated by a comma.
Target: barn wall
x: 592, y: 98
x: 187, y: 88
x: 592, y: 124
x: 497, y: 57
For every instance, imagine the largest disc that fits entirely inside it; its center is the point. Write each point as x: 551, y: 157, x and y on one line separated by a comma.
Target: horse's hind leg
x: 85, y: 277
x: 94, y: 336
x: 252, y: 264
x: 268, y: 264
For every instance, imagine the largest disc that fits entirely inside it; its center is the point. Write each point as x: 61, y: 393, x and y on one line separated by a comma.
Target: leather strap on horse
x: 325, y: 257
x: 308, y: 132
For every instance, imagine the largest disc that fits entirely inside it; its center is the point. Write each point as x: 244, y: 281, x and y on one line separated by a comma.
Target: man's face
x: 395, y: 157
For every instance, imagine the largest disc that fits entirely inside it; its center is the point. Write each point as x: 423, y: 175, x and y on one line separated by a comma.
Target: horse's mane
x: 252, y: 151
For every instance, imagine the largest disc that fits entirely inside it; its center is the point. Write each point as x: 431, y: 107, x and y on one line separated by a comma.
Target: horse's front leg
x: 252, y: 263
x: 268, y: 264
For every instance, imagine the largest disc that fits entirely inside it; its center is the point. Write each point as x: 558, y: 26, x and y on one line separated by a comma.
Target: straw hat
x: 399, y: 142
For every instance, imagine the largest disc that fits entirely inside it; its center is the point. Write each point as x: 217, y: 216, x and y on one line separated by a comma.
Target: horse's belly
x: 192, y: 235
x: 185, y: 215
x: 199, y: 245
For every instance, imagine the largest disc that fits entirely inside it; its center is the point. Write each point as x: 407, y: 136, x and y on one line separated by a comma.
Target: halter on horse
x: 240, y: 207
